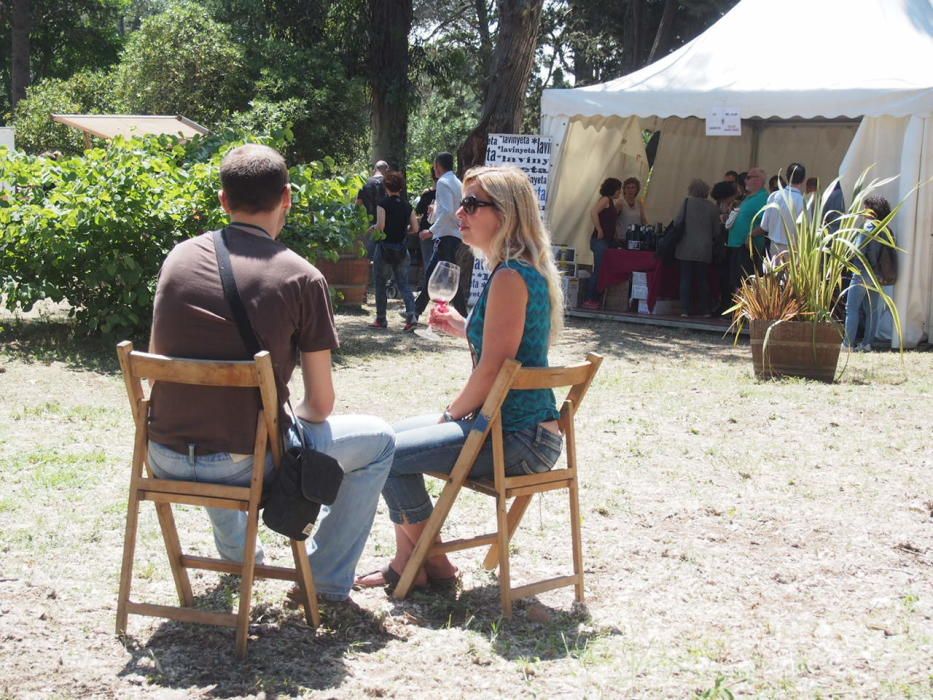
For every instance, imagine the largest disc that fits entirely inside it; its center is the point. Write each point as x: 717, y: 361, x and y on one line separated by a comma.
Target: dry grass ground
x: 765, y: 539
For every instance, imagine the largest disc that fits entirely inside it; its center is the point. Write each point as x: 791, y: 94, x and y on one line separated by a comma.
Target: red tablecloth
x: 619, y: 264
x: 663, y: 280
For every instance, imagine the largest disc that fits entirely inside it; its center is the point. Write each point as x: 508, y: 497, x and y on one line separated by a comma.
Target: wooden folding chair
x: 512, y: 376
x: 164, y: 492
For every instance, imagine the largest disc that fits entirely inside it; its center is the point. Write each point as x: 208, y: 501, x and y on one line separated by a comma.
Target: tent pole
x: 755, y: 124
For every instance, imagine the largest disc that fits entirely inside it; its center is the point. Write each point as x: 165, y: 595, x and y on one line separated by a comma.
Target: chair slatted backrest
x: 256, y: 373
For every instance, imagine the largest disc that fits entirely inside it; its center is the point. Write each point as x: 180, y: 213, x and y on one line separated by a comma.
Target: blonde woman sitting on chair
x: 518, y: 314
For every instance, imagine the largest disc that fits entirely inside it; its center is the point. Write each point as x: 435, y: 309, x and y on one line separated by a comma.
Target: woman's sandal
x: 390, y: 579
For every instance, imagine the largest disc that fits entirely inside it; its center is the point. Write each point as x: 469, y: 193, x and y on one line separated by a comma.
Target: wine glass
x: 442, y: 287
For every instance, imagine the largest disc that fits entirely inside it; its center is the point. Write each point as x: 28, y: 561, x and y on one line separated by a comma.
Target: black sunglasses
x: 470, y: 204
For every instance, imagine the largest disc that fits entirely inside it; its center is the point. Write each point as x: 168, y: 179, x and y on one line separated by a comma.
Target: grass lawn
x: 767, y: 539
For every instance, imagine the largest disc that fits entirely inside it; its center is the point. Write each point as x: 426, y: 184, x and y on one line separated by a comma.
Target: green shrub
x: 93, y: 230
x: 182, y: 62
x: 84, y: 92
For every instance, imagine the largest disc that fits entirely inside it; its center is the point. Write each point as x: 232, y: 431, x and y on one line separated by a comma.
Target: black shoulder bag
x: 667, y: 243
x: 306, y: 479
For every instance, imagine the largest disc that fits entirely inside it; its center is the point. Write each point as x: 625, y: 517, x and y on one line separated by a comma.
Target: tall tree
x: 389, y: 26
x: 22, y: 26
x: 507, y: 82
x: 665, y: 33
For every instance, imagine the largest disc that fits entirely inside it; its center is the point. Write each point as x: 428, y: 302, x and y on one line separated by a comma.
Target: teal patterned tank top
x: 522, y: 408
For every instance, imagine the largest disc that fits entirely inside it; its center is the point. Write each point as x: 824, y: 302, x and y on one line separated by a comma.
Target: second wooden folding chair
x: 519, y: 489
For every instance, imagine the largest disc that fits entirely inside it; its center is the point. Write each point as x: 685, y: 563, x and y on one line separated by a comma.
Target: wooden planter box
x: 349, y: 275
x: 796, y: 349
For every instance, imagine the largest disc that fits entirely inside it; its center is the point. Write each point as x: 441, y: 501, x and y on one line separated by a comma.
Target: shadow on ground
x: 55, y: 340
x: 45, y: 341
x: 535, y: 631
x: 284, y: 655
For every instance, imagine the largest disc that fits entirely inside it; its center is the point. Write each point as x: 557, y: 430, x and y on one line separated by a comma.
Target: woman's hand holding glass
x: 447, y: 319
x: 442, y: 287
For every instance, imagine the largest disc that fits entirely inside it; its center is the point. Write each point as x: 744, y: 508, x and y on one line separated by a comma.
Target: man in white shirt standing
x: 445, y: 230
x: 779, y: 223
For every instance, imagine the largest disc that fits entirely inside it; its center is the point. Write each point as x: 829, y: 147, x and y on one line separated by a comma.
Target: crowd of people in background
x: 433, y: 220
x: 732, y: 228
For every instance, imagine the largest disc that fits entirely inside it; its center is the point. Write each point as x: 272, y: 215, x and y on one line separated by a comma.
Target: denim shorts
x: 530, y: 451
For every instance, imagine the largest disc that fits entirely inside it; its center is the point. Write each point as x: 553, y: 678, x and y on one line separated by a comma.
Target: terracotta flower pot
x: 349, y: 275
x: 796, y: 349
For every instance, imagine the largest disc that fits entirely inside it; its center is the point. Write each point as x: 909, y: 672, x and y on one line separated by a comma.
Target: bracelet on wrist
x: 448, y: 418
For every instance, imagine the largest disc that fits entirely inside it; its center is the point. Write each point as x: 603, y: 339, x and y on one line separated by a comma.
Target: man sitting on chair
x: 207, y: 435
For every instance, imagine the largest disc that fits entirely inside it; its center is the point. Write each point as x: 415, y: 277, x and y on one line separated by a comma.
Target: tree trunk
x: 583, y: 73
x: 662, y: 37
x: 22, y: 26
x: 485, y: 42
x: 512, y: 61
x: 390, y: 24
x: 638, y: 25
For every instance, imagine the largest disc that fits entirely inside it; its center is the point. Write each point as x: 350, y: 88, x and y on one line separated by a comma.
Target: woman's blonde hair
x: 521, y: 235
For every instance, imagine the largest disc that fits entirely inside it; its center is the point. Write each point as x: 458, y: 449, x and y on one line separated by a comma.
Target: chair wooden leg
x: 246, y: 582
x: 129, y: 550
x: 516, y: 512
x: 576, y: 539
x: 505, y: 580
x: 173, y: 548
x: 306, y: 583
x: 433, y: 528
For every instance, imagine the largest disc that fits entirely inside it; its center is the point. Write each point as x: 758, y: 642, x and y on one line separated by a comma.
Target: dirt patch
x: 771, y: 539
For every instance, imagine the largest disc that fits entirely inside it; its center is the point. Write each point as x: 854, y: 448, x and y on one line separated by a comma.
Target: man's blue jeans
x: 364, y: 446
x: 381, y: 272
x: 599, y: 246
x: 858, y: 298
x: 423, y: 444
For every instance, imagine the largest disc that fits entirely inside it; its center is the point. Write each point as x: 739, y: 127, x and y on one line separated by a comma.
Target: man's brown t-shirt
x: 288, y: 306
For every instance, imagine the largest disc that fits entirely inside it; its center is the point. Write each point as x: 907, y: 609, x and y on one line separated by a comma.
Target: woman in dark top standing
x: 394, y: 217
x: 604, y: 215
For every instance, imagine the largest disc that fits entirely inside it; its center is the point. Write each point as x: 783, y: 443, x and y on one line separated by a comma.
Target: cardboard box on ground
x: 617, y: 297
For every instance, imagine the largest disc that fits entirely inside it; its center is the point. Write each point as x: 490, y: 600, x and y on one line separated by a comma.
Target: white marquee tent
x: 839, y: 85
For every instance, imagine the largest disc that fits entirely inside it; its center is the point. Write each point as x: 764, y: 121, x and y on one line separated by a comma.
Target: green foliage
x: 298, y: 67
x: 93, y: 230
x: 324, y: 219
x: 67, y: 36
x: 327, y: 107
x: 83, y: 92
x: 419, y: 176
x: 182, y: 62
x: 440, y: 124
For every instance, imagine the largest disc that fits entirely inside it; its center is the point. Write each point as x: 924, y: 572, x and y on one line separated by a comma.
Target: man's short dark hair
x: 445, y: 160
x: 796, y: 173
x: 732, y: 173
x: 253, y: 177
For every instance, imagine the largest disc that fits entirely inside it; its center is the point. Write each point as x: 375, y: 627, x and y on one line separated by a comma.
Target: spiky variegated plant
x: 805, y: 283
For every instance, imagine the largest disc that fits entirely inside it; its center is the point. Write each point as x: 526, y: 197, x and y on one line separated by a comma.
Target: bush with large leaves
x: 93, y: 230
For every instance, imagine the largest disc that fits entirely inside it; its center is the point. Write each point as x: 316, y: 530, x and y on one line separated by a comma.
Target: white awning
x: 793, y: 58
x: 107, y: 126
